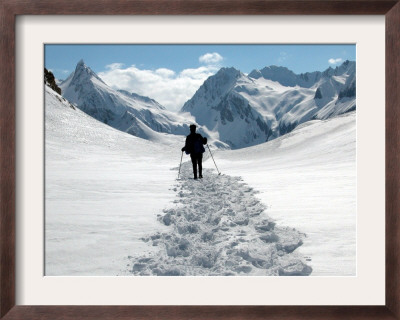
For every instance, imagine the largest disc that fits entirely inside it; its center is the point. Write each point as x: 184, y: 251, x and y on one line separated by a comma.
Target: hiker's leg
x: 194, y: 163
x: 200, y: 160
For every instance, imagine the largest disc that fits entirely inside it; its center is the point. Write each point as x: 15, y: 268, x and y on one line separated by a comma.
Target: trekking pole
x: 219, y: 173
x: 180, y: 165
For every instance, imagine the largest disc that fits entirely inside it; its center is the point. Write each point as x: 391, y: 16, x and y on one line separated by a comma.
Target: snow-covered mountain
x: 233, y: 109
x: 246, y: 110
x: 137, y: 115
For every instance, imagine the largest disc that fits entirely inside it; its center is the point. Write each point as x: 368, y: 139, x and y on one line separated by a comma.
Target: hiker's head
x: 192, y: 128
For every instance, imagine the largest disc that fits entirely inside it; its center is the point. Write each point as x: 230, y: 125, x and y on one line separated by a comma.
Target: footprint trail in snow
x: 219, y: 227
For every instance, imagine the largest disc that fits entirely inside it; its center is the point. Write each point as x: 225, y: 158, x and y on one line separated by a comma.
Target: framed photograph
x: 191, y: 159
x: 219, y: 227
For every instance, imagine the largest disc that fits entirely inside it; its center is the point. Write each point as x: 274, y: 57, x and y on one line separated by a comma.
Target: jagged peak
x: 224, y: 76
x: 287, y: 77
x: 224, y: 80
x: 255, y: 74
x: 229, y: 71
x: 345, y: 66
x: 276, y: 68
x: 85, y: 72
x: 280, y: 74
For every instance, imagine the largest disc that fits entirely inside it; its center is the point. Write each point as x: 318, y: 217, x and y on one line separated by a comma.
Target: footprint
x: 218, y: 228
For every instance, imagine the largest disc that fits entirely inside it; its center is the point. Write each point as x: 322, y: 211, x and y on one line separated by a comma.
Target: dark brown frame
x: 9, y: 9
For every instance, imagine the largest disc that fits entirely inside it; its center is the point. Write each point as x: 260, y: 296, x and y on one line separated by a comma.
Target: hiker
x: 194, y: 147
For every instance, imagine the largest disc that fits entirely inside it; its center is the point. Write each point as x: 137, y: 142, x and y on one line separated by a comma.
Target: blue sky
x: 172, y: 73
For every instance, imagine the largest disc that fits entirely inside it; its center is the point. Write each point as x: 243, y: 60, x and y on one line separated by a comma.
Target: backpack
x: 194, y: 144
x: 198, y: 145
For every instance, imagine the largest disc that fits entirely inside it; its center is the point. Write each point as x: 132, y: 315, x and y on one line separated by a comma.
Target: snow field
x: 219, y: 228
x: 103, y: 191
x: 307, y: 179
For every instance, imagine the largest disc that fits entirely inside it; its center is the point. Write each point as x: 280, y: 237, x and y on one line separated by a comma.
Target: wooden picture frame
x: 9, y: 9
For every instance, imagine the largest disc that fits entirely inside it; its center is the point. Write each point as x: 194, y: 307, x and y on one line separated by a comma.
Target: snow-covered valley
x: 108, y: 193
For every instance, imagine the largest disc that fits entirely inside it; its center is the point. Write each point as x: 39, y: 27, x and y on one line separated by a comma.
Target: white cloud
x: 335, y: 61
x: 114, y: 66
x: 169, y: 88
x: 199, y: 73
x: 211, y: 58
x: 165, y: 72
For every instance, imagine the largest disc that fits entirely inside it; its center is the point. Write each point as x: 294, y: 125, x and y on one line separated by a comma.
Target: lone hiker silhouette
x: 194, y: 147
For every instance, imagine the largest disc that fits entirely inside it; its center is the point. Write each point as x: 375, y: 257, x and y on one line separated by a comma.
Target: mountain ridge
x: 123, y: 110
x: 250, y: 109
x: 234, y: 109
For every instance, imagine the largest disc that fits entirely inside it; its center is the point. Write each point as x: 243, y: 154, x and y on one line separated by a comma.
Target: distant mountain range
x: 233, y: 109
x: 250, y: 109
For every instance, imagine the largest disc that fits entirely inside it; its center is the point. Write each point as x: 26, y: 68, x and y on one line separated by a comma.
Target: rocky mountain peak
x: 83, y: 73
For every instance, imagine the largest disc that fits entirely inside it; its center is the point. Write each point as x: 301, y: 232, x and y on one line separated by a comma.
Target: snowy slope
x: 128, y: 112
x: 307, y: 178
x: 248, y: 110
x: 104, y: 189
